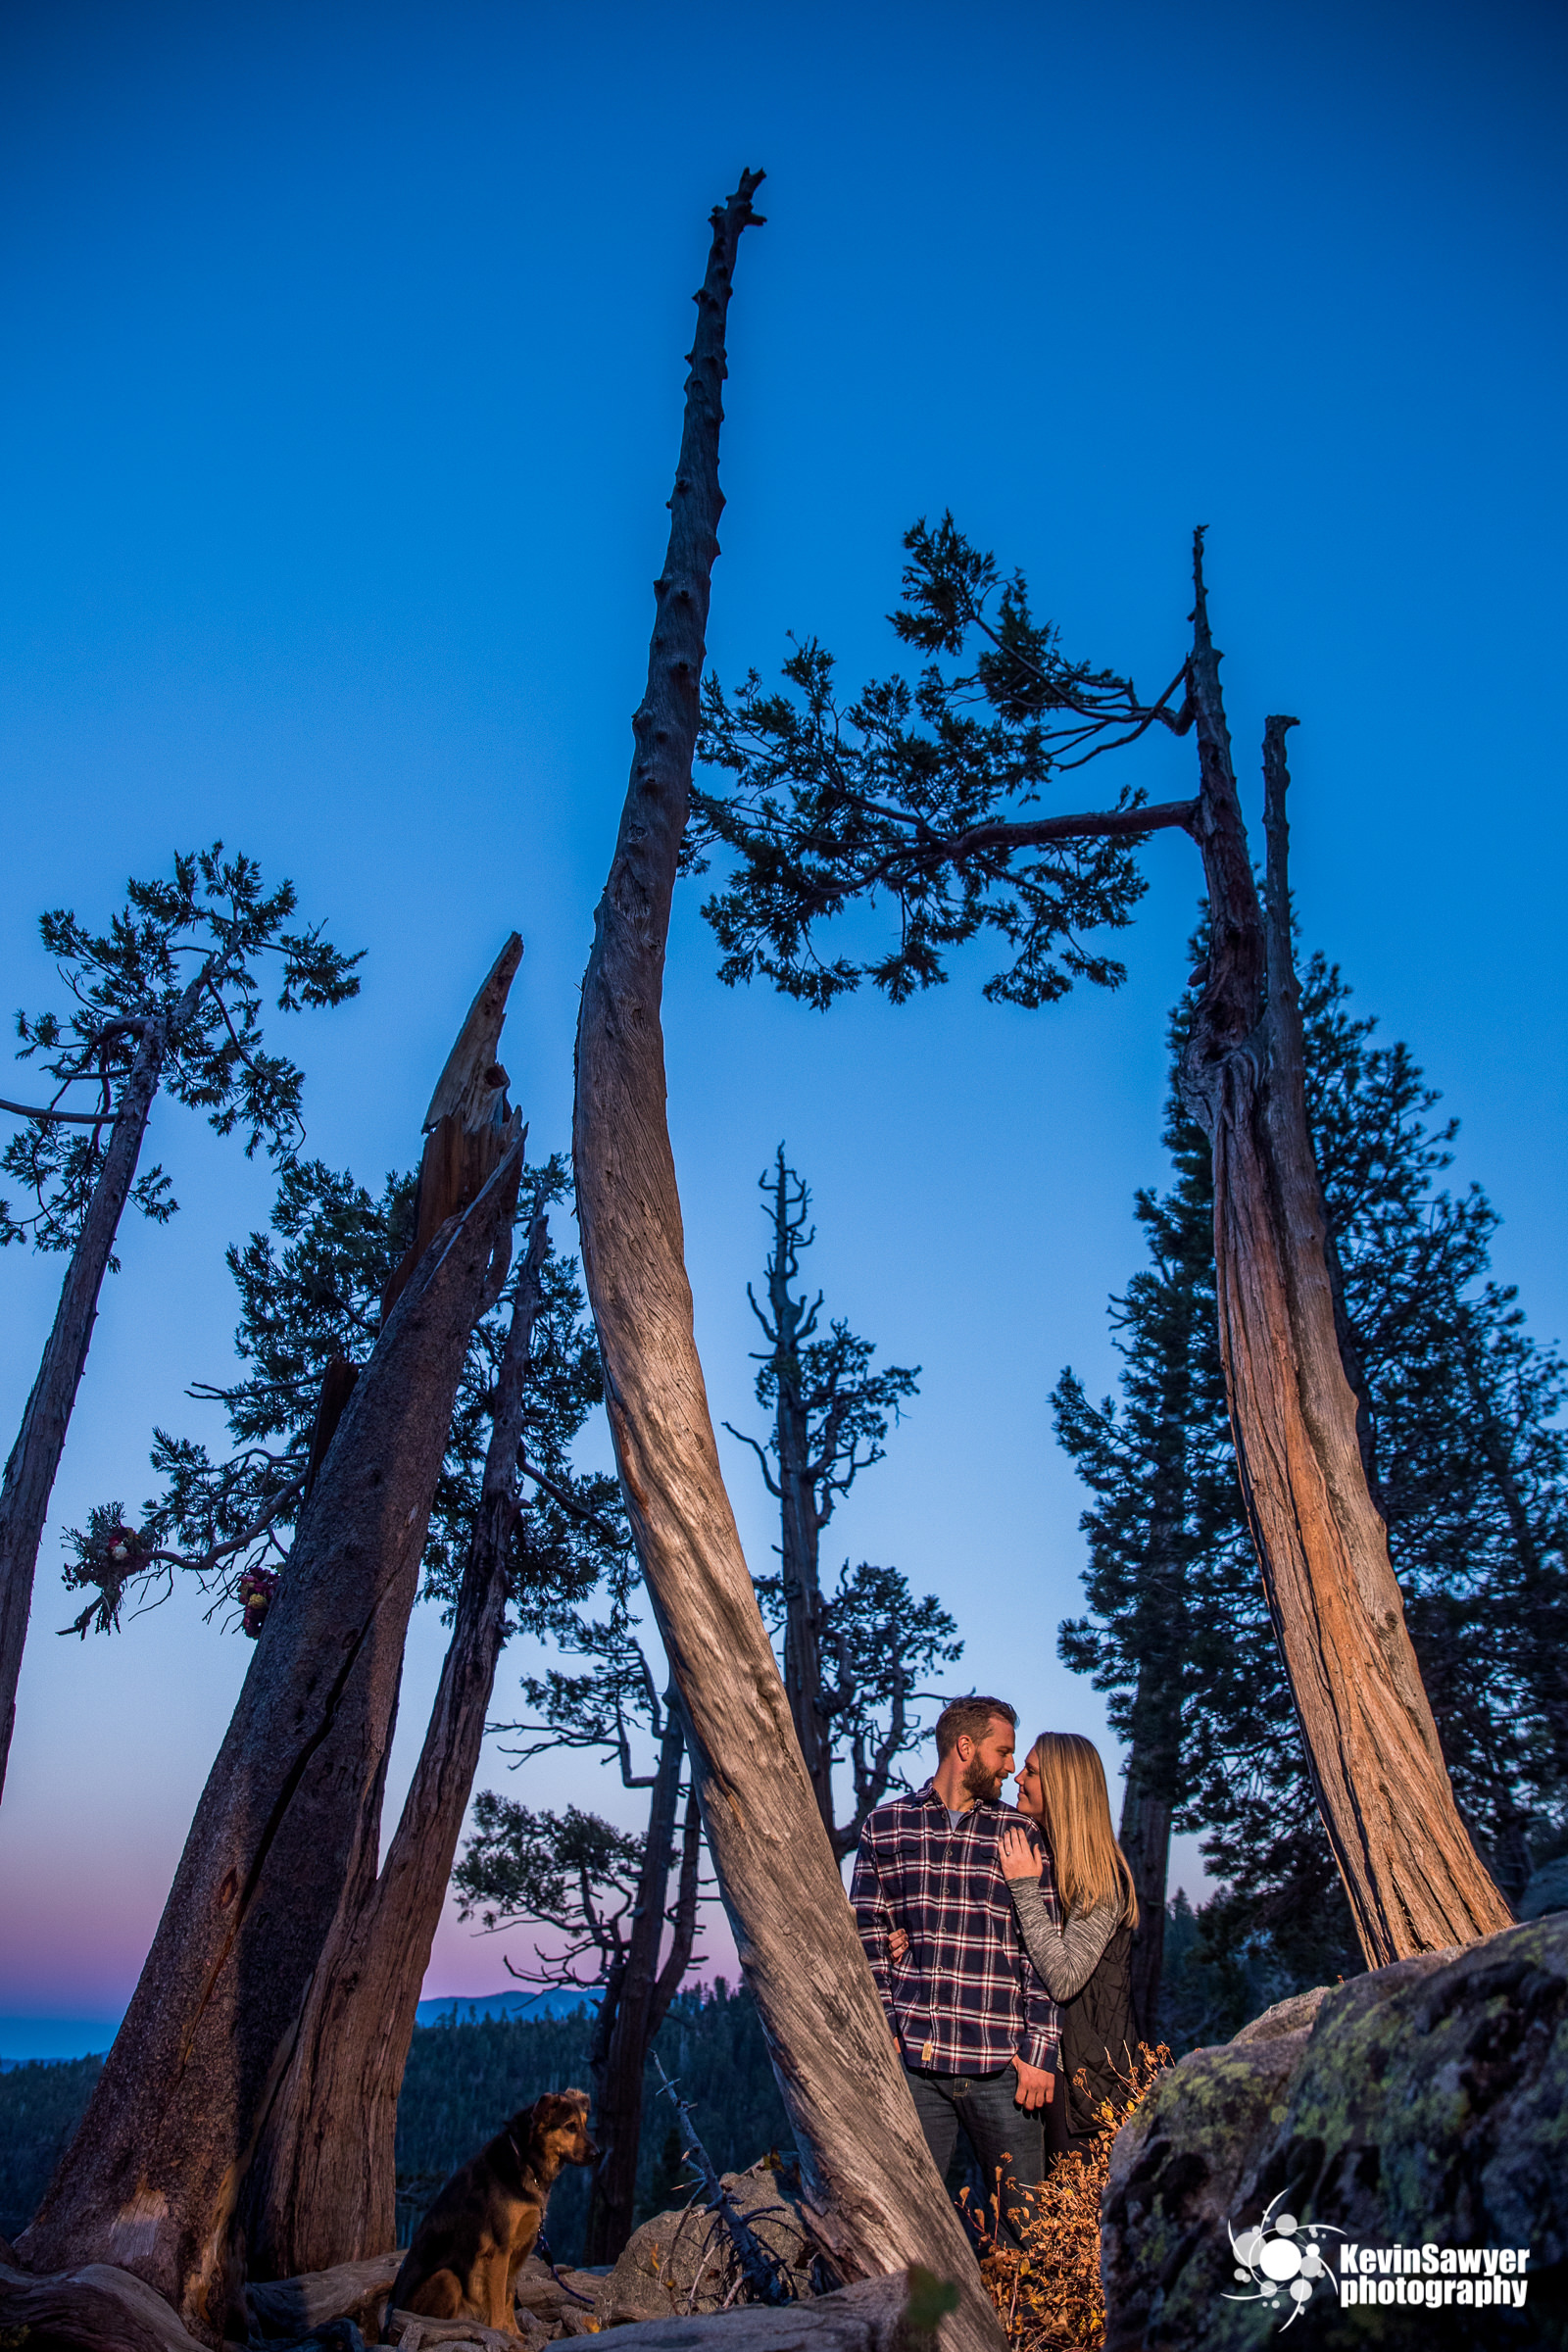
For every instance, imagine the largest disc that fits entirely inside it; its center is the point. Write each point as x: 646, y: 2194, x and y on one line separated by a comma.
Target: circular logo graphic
x: 1279, y: 2261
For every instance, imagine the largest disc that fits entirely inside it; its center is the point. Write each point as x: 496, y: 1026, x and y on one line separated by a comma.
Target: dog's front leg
x: 502, y: 2314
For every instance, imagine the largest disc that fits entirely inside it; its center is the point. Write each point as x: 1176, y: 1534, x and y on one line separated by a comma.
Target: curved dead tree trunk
x: 323, y: 2187
x: 870, y: 2176
x: 1414, y: 1881
x: 292, y: 1805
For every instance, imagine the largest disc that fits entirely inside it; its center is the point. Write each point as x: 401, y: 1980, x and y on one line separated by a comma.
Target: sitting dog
x: 467, y: 2252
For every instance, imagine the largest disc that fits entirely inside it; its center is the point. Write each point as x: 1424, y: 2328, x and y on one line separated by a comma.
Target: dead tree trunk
x: 1413, y: 1879
x: 41, y: 1439
x: 869, y: 2175
x: 643, y: 1994
x: 800, y: 1517
x: 323, y: 2186
x: 292, y: 1804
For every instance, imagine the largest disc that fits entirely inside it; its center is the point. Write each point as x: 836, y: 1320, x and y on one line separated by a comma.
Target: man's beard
x: 981, y: 1783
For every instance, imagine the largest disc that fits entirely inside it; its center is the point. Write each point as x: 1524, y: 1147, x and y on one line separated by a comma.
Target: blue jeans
x: 1004, y: 2137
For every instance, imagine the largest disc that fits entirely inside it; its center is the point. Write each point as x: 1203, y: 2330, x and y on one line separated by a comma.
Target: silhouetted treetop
x: 923, y: 793
x: 183, y: 956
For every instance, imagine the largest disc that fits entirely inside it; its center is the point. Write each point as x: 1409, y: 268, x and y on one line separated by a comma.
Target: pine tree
x: 311, y: 1292
x: 1166, y: 1513
x: 167, y: 998
x: 926, y: 798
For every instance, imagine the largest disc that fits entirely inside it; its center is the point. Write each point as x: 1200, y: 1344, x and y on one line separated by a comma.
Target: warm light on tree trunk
x: 871, y: 2179
x: 1414, y: 1881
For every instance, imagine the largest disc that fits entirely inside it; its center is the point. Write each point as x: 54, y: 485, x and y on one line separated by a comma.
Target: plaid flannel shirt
x: 965, y: 1999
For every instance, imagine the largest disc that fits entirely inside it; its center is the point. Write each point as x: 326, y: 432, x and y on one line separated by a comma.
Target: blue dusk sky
x: 340, y: 409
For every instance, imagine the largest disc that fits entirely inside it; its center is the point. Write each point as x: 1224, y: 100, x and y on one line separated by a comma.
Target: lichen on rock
x: 1423, y: 2103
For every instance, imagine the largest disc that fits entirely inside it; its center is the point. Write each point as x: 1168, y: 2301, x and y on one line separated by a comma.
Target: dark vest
x: 1099, y: 2033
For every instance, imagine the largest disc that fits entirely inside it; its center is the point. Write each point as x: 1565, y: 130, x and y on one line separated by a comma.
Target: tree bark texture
x: 643, y: 1994
x: 460, y: 1125
x: 870, y: 2176
x: 289, y: 2308
x: 96, y: 2308
x: 41, y: 1439
x: 290, y: 1810
x: 321, y: 2188
x: 1414, y: 1881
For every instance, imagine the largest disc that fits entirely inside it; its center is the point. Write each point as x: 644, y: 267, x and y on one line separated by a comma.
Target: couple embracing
x: 1000, y: 1942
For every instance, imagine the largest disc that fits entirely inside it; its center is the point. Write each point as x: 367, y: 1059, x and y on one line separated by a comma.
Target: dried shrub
x: 1047, y: 2293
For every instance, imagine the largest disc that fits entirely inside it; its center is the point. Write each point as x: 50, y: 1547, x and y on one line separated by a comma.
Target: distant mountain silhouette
x: 462, y: 2009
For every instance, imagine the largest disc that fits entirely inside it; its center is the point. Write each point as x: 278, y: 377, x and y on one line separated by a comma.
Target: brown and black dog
x: 482, y: 2227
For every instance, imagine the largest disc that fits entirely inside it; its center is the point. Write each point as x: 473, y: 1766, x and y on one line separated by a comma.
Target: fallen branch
x: 98, y: 2308
x: 902, y: 2312
x: 294, y: 2307
x: 760, y: 2267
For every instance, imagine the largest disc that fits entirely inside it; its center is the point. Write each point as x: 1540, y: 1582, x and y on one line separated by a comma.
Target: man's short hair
x: 970, y: 1718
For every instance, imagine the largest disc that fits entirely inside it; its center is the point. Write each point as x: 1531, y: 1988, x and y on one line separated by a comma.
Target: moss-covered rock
x: 1423, y: 2104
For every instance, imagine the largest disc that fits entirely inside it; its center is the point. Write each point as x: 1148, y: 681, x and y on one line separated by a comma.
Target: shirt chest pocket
x: 984, y: 1889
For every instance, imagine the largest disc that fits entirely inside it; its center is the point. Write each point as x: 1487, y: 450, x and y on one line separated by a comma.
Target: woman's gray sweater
x: 1065, y: 1957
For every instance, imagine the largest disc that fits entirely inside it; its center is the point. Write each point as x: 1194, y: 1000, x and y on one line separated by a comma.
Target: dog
x: 467, y: 2252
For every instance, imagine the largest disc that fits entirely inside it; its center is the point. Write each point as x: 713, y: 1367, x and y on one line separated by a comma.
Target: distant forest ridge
x: 464, y: 2079
x: 467, y: 2073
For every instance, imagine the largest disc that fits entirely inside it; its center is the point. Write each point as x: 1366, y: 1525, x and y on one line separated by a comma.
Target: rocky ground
x: 1423, y: 2104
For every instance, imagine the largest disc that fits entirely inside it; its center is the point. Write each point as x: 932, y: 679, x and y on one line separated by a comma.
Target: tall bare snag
x: 323, y: 2186
x: 870, y: 2176
x: 1413, y: 1877
x: 291, y: 1811
x: 906, y: 794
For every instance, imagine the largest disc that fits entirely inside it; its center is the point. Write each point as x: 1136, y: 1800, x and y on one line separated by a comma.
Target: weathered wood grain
x: 95, y: 2308
x: 875, y: 2192
x: 349, y: 2290
x: 321, y: 2187
x: 289, y: 1817
x: 1414, y: 1881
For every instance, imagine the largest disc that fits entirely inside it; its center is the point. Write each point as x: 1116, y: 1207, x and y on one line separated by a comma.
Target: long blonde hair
x: 1091, y: 1867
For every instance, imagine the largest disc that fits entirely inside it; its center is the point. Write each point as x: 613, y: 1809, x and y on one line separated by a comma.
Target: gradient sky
x: 339, y: 414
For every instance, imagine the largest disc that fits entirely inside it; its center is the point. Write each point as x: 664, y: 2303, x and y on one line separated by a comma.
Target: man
x: 977, y: 2029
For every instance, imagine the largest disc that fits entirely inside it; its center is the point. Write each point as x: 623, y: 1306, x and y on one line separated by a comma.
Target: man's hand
x: 1035, y: 2086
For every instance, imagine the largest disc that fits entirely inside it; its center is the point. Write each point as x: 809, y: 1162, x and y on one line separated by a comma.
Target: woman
x: 1084, y: 1964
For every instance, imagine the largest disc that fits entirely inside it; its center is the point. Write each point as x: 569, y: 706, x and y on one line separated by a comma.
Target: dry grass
x: 1049, y: 2295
